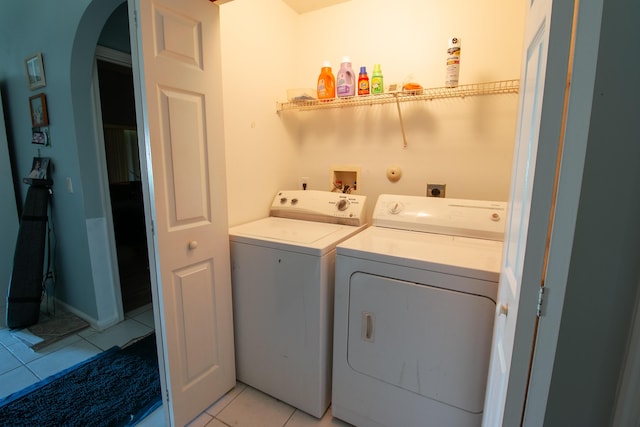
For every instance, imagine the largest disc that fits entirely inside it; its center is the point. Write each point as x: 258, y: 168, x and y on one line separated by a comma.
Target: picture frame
x: 38, y: 107
x: 40, y: 137
x: 39, y: 168
x: 35, y: 71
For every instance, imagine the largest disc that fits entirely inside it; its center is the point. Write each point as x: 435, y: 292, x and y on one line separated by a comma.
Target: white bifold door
x: 176, y: 54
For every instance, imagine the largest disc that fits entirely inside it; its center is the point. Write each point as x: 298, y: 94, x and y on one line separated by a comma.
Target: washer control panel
x: 320, y: 206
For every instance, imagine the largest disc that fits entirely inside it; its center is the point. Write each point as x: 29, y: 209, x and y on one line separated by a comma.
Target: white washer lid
x: 293, y: 234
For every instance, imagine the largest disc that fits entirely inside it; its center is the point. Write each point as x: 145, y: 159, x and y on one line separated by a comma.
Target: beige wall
x: 464, y: 143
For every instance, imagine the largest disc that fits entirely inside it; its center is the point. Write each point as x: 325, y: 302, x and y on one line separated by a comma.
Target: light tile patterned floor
x: 20, y: 366
x: 243, y: 406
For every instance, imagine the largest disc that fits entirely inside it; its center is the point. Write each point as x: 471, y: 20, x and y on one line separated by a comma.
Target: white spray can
x: 453, y: 62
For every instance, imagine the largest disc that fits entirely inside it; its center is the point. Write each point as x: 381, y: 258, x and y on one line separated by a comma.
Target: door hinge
x: 540, y: 300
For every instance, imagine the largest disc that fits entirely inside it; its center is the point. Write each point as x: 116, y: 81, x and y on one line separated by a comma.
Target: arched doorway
x: 117, y: 105
x: 91, y: 156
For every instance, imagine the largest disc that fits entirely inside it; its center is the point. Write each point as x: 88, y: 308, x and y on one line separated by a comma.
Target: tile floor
x: 20, y: 366
x: 243, y: 406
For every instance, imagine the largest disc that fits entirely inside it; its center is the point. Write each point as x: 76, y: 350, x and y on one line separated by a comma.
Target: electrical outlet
x: 436, y: 190
x: 304, y: 182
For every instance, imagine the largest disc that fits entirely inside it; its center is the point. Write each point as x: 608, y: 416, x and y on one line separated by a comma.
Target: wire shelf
x: 476, y: 89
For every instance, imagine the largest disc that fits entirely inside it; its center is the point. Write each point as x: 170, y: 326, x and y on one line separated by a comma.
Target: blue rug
x: 115, y: 388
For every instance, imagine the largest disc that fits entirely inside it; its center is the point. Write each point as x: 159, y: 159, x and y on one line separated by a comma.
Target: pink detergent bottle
x: 346, y: 79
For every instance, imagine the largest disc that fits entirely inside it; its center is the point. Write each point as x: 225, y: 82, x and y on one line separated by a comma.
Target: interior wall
x: 466, y: 144
x: 115, y: 34
x: 602, y: 282
x: 66, y: 34
x: 59, y: 22
x: 8, y: 217
x: 261, y: 156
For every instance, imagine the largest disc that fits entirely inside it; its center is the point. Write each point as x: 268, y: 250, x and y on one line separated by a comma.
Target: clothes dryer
x: 414, y: 309
x: 283, y: 270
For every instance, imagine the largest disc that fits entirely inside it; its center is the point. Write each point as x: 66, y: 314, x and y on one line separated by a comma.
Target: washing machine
x: 415, y: 298
x: 283, y: 271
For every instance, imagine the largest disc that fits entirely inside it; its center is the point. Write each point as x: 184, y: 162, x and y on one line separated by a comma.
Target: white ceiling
x: 303, y: 6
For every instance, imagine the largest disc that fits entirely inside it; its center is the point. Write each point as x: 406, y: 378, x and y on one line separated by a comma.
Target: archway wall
x: 81, y: 78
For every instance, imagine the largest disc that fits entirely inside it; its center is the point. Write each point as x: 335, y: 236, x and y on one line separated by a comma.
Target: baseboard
x: 93, y: 322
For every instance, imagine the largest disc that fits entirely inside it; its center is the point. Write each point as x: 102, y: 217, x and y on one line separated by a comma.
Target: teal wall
x: 66, y: 33
x: 115, y: 34
x: 8, y: 217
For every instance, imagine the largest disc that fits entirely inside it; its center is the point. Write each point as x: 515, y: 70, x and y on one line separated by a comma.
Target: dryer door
x: 428, y: 340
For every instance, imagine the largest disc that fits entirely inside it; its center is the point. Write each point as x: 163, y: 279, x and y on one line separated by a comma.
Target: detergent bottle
x: 346, y: 79
x: 363, y: 82
x: 377, y: 82
x: 326, y: 82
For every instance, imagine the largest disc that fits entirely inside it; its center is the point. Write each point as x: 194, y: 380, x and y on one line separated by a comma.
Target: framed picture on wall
x: 40, y: 137
x: 39, y: 168
x: 35, y: 71
x: 38, y: 106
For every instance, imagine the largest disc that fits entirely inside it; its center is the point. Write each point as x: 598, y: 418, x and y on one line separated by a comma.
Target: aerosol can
x: 453, y: 62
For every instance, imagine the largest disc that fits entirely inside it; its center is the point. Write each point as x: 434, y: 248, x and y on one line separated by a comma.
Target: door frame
x: 123, y: 59
x: 152, y: 241
x: 111, y: 305
x: 116, y: 57
x: 588, y: 28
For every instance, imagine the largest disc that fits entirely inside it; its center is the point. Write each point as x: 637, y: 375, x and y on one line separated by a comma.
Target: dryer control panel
x: 320, y: 206
x: 455, y: 217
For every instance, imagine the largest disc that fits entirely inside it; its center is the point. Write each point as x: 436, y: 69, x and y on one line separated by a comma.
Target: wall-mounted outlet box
x: 436, y: 190
x: 345, y: 179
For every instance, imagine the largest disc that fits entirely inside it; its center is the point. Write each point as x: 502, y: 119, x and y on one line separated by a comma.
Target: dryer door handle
x: 368, y: 326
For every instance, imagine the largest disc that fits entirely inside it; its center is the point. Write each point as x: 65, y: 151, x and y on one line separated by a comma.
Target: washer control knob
x: 294, y: 201
x: 283, y: 200
x: 343, y: 204
x: 495, y: 217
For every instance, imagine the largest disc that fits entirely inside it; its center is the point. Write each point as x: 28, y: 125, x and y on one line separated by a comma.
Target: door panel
x: 192, y: 286
x: 178, y: 48
x: 177, y: 36
x: 543, y: 80
x: 185, y: 150
x: 431, y: 341
x: 517, y: 224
